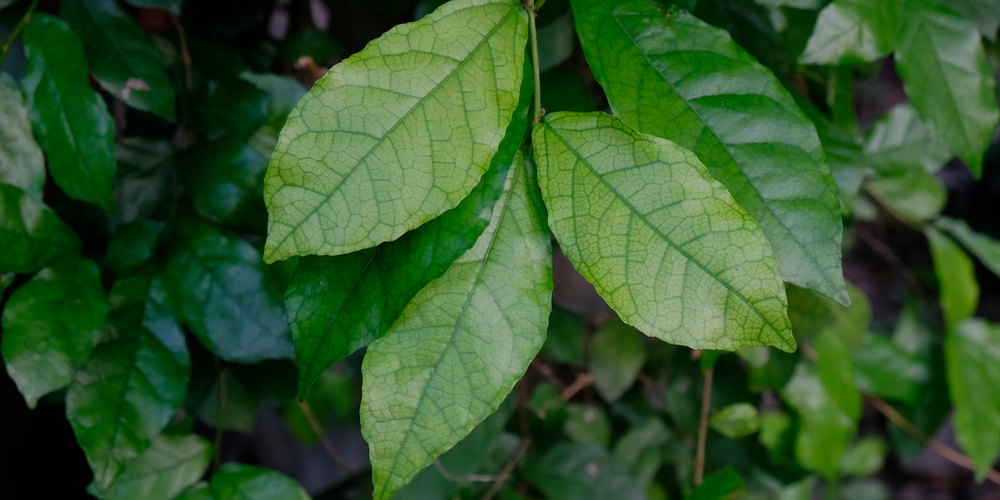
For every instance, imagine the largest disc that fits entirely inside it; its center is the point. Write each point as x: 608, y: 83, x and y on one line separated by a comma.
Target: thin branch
x: 220, y: 416
x: 507, y: 469
x: 468, y: 478
x: 549, y: 375
x: 583, y: 380
x: 882, y: 249
x: 308, y: 68
x: 17, y: 30
x: 327, y: 445
x: 529, y: 5
x: 706, y: 403
x: 185, y: 54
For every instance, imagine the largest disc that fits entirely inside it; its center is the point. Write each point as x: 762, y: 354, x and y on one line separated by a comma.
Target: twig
x: 882, y: 249
x: 468, y: 478
x: 507, y: 469
x: 185, y: 54
x: 549, y: 375
x: 583, y: 380
x: 943, y: 449
x: 327, y: 445
x: 220, y: 416
x: 308, y: 68
x: 17, y: 30
x: 706, y: 402
x: 529, y: 5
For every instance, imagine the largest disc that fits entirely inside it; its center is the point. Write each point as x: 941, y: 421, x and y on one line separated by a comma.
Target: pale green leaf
x: 864, y: 457
x: 900, y: 142
x: 852, y: 31
x: 461, y: 344
x: 883, y: 368
x: 946, y: 75
x: 972, y: 355
x: 616, y: 357
x: 672, y: 76
x: 959, y: 293
x: 235, y: 481
x: 985, y: 248
x: 398, y: 133
x: 21, y: 161
x: 587, y: 424
x: 171, y: 464
x: 32, y: 233
x: 50, y: 325
x: 663, y: 243
x: 725, y: 484
x: 836, y: 373
x: 736, y: 420
x: 916, y: 196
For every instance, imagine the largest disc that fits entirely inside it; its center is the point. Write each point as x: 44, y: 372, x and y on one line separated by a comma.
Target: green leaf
x: 959, y: 293
x: 675, y: 77
x: 235, y: 481
x: 172, y: 6
x: 917, y: 196
x: 21, y: 161
x: 631, y: 210
x: 869, y: 489
x: 946, y: 75
x: 638, y: 450
x: 985, y: 13
x: 564, y: 337
x: 883, y: 368
x: 225, y: 179
x: 32, y: 233
x: 284, y: 94
x: 340, y: 304
x: 972, y: 354
x: 736, y: 420
x: 580, y: 472
x: 853, y: 31
x: 122, y: 58
x: 226, y: 296
x: 461, y: 343
x: 398, y: 133
x: 145, y: 175
x: 132, y: 245
x: 133, y: 382
x: 900, y: 142
x: 171, y: 464
x: 985, y: 248
x: 556, y: 42
x: 70, y: 120
x: 863, y: 458
x: 587, y: 424
x: 50, y: 325
x: 725, y: 484
x: 836, y: 374
x: 616, y: 357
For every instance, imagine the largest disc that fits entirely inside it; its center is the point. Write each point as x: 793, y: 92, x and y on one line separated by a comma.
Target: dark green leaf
x: 32, y: 233
x: 900, y: 142
x: 50, y: 325
x: 851, y: 31
x: 725, y: 484
x: 587, y: 424
x: 580, y: 472
x: 675, y: 77
x: 884, y: 369
x: 226, y: 296
x: 616, y: 357
x: 132, y: 245
x: 959, y: 290
x: 133, y: 382
x: 972, y: 353
x: 311, y: 42
x: 284, y: 94
x: 21, y: 161
x: 225, y: 179
x: 70, y: 120
x: 145, y: 173
x: 985, y: 248
x: 556, y: 42
x: 228, y: 106
x: 736, y: 420
x: 235, y: 481
x: 122, y: 58
x: 947, y: 77
x: 565, y: 90
x: 917, y: 196
x: 171, y: 464
x: 638, y: 450
x: 863, y: 458
x: 564, y: 338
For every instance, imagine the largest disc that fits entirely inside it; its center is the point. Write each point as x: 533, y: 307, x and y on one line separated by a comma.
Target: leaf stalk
x: 20, y: 26
x: 529, y: 5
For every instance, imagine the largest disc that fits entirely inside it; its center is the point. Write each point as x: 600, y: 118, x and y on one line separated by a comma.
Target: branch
x: 706, y: 402
x: 468, y: 478
x: 529, y: 5
x: 582, y: 381
x: 330, y: 450
x: 17, y: 31
x: 185, y: 54
x: 507, y: 469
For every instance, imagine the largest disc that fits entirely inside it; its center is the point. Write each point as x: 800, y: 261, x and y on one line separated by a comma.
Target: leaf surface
x: 32, y: 233
x: 972, y: 356
x: 663, y: 243
x: 722, y: 485
x: 985, y: 248
x: 959, y: 293
x: 235, y: 481
x: 672, y: 76
x: 900, y: 142
x: 916, y: 196
x: 171, y: 464
x: 580, y: 472
x: 736, y: 420
x: 225, y: 179
x: 853, y: 31
x: 461, y: 344
x: 398, y: 133
x: 616, y: 357
x: 985, y: 13
x: 21, y: 160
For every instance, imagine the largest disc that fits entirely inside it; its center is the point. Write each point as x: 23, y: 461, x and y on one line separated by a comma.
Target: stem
x: 706, y: 402
x: 533, y: 32
x: 219, y: 417
x: 20, y: 26
x: 507, y: 469
x: 330, y: 450
x: 185, y: 55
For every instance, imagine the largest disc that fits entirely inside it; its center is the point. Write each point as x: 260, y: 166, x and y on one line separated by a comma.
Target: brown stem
x: 185, y: 54
x: 507, y: 469
x: 706, y: 403
x: 17, y: 31
x: 887, y: 254
x: 549, y: 375
x: 327, y: 445
x: 582, y: 381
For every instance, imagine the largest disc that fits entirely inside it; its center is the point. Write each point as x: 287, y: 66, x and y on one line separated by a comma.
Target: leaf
x: 340, y: 304
x: 172, y: 6
x: 398, y: 133
x: 235, y: 481
x: 580, y: 472
x: 959, y: 293
x: 916, y: 197
x: 50, y: 325
x: 225, y: 179
x: 736, y: 420
x: 564, y: 337
x: 70, y: 120
x: 312, y: 42
x: 869, y: 489
x: 725, y: 484
x: 863, y: 458
x: 133, y: 382
x: 674, y: 77
x: 899, y: 142
x: 587, y: 424
x: 32, y: 233
x: 883, y: 368
x: 556, y: 42
x: 663, y: 243
x: 616, y: 357
x: 171, y: 464
x: 638, y: 450
x: 21, y: 160
x: 122, y: 58
x: 461, y: 343
x: 972, y: 355
x: 985, y: 13
x: 226, y: 297
x: 946, y: 75
x: 836, y: 373
x: 145, y: 174
x: 853, y: 31
x: 132, y: 245
x: 284, y: 94
x: 985, y: 248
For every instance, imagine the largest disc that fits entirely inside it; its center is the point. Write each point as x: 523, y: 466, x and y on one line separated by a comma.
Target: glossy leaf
x: 398, y: 133
x: 956, y: 275
x: 900, y: 142
x: 340, y: 304
x: 225, y: 179
x: 50, y: 325
x: 122, y: 58
x: 864, y: 457
x: 972, y: 354
x: 235, y: 481
x: 985, y: 13
x: 725, y: 484
x: 663, y: 243
x: 916, y: 197
x: 70, y: 120
x: 947, y: 77
x: 675, y: 77
x: 580, y: 472
x: 32, y: 233
x: 171, y: 464
x: 736, y: 420
x: 226, y: 297
x: 132, y: 245
x: 133, y: 382
x: 985, y: 248
x: 616, y: 357
x: 21, y: 161
x: 461, y: 343
x: 883, y: 368
x: 852, y: 31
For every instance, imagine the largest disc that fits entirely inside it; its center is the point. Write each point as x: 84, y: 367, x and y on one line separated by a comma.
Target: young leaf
x: 900, y: 143
x: 852, y: 31
x: 225, y: 296
x: 972, y: 354
x: 580, y: 472
x: 133, y: 382
x: 337, y: 305
x: 946, y: 75
x: 956, y: 274
x: 235, y: 481
x: 171, y: 464
x: 672, y: 76
x: 736, y: 420
x: 461, y: 344
x: 32, y: 233
x: 122, y: 58
x: 722, y: 485
x: 70, y: 120
x: 663, y: 243
x: 21, y: 161
x: 985, y: 248
x: 398, y: 133
x: 50, y: 325
x: 616, y: 357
